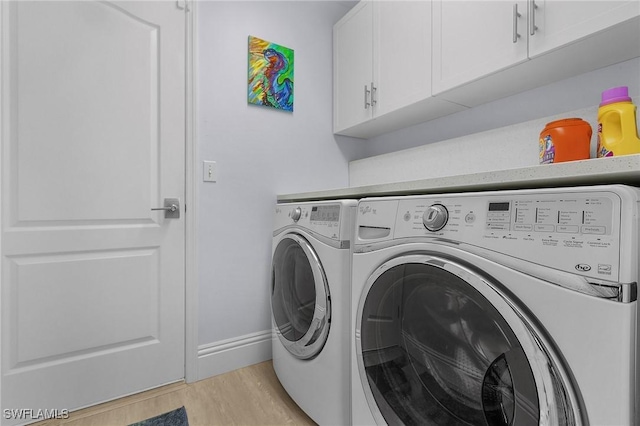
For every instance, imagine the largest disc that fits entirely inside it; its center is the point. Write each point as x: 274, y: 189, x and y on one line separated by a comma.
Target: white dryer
x: 497, y: 308
x: 310, y: 303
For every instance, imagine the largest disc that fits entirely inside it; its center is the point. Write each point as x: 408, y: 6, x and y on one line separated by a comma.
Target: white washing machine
x: 497, y: 308
x: 310, y: 305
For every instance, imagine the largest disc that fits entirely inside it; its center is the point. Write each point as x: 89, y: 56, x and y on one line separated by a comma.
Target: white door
x: 93, y: 138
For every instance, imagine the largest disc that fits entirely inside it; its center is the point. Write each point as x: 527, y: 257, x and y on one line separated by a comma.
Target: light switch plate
x: 209, y: 171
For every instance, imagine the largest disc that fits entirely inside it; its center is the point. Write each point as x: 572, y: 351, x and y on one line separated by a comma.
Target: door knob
x: 171, y: 208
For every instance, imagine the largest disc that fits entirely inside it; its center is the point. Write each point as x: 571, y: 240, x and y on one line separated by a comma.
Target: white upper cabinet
x: 402, y: 59
x: 484, y: 50
x: 474, y: 38
x: 399, y: 63
x: 353, y: 67
x: 382, y: 68
x: 555, y: 23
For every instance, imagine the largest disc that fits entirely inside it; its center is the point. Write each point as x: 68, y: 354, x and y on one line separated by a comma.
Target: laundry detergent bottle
x: 617, y: 129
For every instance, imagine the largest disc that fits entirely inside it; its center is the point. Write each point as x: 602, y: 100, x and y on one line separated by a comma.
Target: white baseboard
x: 228, y: 355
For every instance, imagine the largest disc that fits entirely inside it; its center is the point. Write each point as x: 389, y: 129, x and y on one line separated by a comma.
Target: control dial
x: 435, y: 217
x: 295, y: 215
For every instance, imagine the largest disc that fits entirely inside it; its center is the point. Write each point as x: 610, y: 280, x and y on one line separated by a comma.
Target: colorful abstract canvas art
x: 270, y: 74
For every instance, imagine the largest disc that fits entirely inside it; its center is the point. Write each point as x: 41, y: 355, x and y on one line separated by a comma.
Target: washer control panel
x: 569, y: 215
x: 590, y: 231
x: 576, y: 232
x: 554, y: 216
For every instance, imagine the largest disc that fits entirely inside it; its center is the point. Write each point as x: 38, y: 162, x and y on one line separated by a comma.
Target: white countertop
x: 623, y: 170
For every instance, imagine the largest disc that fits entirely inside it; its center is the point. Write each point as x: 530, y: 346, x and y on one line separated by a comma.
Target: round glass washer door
x: 300, y: 300
x: 440, y: 345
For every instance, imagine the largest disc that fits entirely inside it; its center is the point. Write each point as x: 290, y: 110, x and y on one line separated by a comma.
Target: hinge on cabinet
x: 183, y: 5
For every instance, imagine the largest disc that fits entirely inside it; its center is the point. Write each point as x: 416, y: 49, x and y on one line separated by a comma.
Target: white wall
x: 260, y: 152
x: 495, y: 136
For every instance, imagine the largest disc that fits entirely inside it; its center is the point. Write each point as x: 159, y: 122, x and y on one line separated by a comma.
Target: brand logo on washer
x: 583, y: 267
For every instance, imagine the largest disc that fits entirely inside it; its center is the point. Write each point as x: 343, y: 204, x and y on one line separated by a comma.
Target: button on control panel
x: 296, y: 214
x: 499, y: 216
x: 435, y: 217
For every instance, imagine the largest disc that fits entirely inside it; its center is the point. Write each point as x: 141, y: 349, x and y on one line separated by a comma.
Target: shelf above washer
x: 596, y: 171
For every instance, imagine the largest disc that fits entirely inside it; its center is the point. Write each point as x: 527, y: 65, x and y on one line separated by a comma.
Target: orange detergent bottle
x: 617, y: 129
x: 568, y: 139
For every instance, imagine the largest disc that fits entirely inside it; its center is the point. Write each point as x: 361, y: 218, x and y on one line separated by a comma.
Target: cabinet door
x: 472, y: 39
x: 402, y: 54
x: 353, y: 64
x: 555, y: 23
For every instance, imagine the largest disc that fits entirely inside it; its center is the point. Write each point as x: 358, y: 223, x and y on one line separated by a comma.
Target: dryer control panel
x: 573, y: 230
x: 331, y: 219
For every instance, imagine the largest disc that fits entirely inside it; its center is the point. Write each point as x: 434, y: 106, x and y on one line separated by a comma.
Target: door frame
x: 191, y: 195
x: 191, y: 198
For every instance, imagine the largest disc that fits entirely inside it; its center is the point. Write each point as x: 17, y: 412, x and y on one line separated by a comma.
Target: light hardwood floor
x: 249, y: 396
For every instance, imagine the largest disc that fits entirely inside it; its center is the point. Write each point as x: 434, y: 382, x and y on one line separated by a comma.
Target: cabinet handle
x: 367, y: 92
x: 374, y: 90
x: 532, y: 17
x: 516, y: 15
